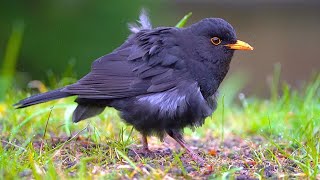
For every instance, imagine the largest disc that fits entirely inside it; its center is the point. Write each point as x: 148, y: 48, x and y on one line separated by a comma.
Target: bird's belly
x: 155, y: 113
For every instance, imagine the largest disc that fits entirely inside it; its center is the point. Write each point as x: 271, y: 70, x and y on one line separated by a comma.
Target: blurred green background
x: 72, y: 33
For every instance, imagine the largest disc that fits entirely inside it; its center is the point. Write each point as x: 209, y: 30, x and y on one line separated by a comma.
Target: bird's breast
x: 172, y: 109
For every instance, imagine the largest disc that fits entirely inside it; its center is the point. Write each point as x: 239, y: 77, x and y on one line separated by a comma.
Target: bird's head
x: 215, y: 40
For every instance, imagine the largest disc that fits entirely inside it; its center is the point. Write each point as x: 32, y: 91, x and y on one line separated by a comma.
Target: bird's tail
x: 41, y: 98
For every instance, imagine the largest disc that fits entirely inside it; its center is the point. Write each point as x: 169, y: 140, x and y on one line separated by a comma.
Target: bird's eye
x: 215, y: 40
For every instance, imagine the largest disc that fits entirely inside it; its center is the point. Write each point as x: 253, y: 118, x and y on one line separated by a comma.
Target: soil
x: 235, y: 158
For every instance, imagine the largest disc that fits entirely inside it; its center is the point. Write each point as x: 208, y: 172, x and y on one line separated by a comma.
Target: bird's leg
x: 176, y: 135
x: 144, y: 141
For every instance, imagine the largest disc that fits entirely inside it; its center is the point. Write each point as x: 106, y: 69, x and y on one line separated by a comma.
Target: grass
x: 276, y: 137
x: 10, y: 58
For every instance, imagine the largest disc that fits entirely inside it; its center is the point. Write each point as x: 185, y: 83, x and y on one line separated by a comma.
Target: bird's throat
x: 209, y: 76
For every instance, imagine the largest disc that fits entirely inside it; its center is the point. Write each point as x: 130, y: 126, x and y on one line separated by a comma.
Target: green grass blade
x: 132, y: 164
x: 10, y: 58
x: 183, y: 21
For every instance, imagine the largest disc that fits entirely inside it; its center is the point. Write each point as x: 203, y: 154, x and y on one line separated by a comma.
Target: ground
x: 246, y: 138
x: 235, y: 157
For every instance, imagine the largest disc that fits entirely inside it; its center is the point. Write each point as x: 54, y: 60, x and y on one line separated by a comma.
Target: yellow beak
x: 240, y: 45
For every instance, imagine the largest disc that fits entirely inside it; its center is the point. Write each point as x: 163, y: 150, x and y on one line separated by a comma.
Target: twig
x: 136, y: 154
x: 45, y: 130
x: 7, y: 142
x: 69, y: 140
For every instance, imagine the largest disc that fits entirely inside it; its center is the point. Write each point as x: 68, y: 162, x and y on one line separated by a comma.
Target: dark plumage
x: 161, y: 80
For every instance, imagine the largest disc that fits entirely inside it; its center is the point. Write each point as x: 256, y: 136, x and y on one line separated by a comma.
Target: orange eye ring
x: 215, y: 41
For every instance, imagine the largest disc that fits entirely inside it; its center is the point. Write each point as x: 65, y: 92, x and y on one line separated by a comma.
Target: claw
x: 176, y: 135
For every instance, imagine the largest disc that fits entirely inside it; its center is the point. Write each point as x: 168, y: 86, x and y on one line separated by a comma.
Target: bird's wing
x: 146, y: 63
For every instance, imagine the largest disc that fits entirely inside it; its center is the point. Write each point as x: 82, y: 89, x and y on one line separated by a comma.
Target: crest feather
x: 143, y: 21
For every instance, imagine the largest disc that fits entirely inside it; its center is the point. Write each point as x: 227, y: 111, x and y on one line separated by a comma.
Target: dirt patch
x: 237, y: 158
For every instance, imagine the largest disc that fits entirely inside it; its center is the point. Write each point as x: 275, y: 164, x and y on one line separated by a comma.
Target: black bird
x: 161, y: 80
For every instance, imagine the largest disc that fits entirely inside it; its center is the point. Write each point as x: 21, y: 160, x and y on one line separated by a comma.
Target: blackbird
x: 161, y: 80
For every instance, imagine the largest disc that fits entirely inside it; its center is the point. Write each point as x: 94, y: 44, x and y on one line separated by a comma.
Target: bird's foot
x: 176, y: 135
x: 147, y: 153
x: 196, y: 157
x: 142, y: 152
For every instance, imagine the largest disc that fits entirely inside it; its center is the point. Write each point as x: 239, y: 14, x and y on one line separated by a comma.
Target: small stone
x: 190, y: 169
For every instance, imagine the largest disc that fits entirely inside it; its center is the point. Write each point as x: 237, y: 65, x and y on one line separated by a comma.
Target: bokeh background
x: 70, y: 34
